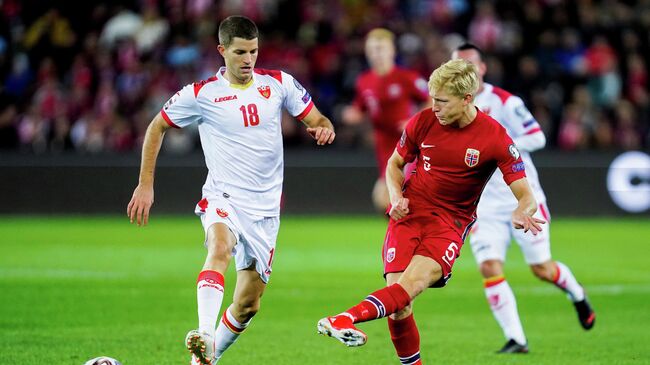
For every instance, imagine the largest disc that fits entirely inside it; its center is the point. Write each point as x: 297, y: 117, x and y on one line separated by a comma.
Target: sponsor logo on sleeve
x: 306, y: 98
x: 514, y: 151
x: 471, y: 157
x: 519, y: 166
x: 171, y: 100
x: 522, y: 112
x: 298, y: 86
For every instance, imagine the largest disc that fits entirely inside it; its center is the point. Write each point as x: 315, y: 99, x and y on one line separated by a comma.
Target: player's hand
x: 138, y: 208
x: 351, y: 115
x: 399, y: 209
x: 322, y: 135
x: 527, y: 223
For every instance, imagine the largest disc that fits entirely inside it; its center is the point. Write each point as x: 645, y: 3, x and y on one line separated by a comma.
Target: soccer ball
x: 103, y: 360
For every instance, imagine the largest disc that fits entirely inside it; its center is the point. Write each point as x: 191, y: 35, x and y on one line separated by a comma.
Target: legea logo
x: 628, y: 181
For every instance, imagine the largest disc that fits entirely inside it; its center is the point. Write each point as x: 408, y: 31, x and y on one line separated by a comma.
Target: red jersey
x: 454, y: 165
x: 389, y: 100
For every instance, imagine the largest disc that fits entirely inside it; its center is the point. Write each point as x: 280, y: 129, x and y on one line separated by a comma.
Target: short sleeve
x: 297, y: 100
x: 418, y: 87
x: 407, y: 146
x: 509, y: 159
x: 182, y: 109
x: 519, y: 119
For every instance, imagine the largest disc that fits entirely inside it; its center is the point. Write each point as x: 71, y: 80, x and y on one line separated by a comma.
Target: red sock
x: 406, y: 339
x: 381, y: 303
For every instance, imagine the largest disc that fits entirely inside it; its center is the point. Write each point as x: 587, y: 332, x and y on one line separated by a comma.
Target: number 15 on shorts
x: 450, y: 254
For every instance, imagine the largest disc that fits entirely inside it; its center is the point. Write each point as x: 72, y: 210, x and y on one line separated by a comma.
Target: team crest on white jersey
x: 265, y: 91
x: 222, y: 213
x: 390, y: 254
x: 471, y: 157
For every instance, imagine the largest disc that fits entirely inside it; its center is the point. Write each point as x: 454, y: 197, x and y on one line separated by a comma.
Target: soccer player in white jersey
x: 238, y: 113
x: 491, y: 235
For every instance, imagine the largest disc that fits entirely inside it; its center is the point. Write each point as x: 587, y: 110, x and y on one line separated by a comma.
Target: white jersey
x: 240, y: 130
x: 509, y: 110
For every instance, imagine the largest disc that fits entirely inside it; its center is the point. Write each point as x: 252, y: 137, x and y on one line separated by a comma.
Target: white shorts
x: 256, y: 235
x: 492, y: 233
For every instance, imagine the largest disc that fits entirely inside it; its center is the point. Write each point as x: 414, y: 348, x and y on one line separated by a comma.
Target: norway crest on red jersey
x: 471, y: 157
x: 390, y: 255
x: 265, y: 91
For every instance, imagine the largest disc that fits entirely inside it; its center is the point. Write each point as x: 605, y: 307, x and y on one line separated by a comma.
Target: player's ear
x: 468, y: 98
x: 221, y: 49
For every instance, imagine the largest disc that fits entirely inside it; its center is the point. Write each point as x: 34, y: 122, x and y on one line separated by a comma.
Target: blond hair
x: 381, y: 33
x: 458, y: 77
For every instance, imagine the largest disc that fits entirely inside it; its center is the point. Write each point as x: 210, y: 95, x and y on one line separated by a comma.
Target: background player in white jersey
x: 492, y: 232
x: 238, y: 113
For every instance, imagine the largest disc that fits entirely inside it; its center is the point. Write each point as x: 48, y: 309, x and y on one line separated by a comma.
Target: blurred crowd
x: 89, y: 77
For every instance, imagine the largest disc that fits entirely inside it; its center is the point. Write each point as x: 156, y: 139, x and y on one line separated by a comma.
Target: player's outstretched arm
x: 319, y: 127
x: 522, y: 216
x: 394, y: 181
x: 138, y: 208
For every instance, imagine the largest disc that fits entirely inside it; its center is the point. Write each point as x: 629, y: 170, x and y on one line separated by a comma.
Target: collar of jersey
x: 241, y: 87
x: 221, y: 73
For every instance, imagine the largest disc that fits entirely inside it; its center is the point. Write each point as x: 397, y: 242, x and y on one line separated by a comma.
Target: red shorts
x: 425, y: 235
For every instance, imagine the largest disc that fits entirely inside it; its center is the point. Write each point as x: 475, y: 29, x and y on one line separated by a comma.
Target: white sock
x: 227, y: 332
x: 209, y: 295
x: 565, y: 280
x: 504, y: 308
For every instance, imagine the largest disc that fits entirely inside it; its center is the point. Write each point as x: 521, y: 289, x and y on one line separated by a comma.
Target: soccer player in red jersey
x: 457, y: 148
x: 388, y: 94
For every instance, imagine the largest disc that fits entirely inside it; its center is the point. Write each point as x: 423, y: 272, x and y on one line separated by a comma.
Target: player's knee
x: 491, y: 268
x: 219, y: 250
x: 544, y: 271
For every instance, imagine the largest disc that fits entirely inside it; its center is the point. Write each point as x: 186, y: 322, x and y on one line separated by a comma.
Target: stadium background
x: 80, y: 82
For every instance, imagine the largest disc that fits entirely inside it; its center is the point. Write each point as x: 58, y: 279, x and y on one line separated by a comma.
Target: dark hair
x: 468, y: 46
x: 236, y: 26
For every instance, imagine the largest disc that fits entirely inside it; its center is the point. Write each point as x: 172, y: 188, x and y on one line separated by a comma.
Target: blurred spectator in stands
x: 603, y: 131
x: 123, y: 24
x: 153, y: 30
x: 571, y: 55
x: 637, y: 78
x: 8, y: 132
x: 573, y: 135
x: 485, y: 28
x: 626, y: 133
x: 604, y: 80
x: 49, y: 35
x: 18, y: 81
x: 33, y: 131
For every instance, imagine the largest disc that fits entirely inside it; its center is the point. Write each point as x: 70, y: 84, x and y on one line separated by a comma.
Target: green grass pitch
x: 73, y: 288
